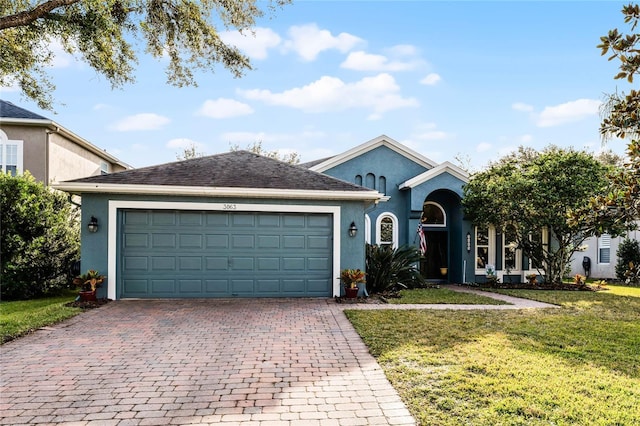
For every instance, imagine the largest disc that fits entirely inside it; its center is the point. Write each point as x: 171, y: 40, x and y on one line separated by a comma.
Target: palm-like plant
x: 389, y: 268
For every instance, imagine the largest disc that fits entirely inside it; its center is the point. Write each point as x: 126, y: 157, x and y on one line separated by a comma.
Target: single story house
x: 241, y: 225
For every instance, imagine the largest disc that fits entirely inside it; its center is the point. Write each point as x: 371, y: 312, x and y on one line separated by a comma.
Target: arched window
x: 511, y: 256
x: 387, y: 230
x: 433, y: 214
x: 359, y: 180
x: 370, y: 181
x: 382, y: 184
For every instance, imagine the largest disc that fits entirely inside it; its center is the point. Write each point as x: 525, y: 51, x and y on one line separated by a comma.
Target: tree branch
x: 28, y: 16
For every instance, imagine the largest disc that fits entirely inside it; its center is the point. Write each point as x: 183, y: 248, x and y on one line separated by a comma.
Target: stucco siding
x: 599, y: 270
x: 70, y: 161
x: 34, y: 140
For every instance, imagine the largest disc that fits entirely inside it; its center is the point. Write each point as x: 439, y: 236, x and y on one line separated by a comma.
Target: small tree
x: 532, y: 192
x: 256, y: 148
x: 39, y: 238
x: 628, y: 259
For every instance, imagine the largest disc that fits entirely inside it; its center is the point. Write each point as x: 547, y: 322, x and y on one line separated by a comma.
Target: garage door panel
x: 163, y: 263
x: 168, y: 254
x: 163, y: 286
x: 218, y: 241
x: 161, y: 218
x: 136, y: 241
x: 217, y: 263
x: 190, y: 218
x: 242, y: 241
x: 136, y: 263
x: 163, y: 240
x: 190, y: 263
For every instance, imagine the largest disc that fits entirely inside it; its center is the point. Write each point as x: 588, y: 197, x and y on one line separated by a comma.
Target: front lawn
x: 578, y: 365
x: 21, y: 317
x: 442, y: 295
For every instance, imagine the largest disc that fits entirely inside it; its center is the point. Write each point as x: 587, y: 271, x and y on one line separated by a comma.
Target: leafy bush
x: 628, y: 254
x: 39, y: 238
x: 389, y: 268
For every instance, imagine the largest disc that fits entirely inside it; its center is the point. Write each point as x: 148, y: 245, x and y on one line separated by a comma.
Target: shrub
x: 39, y: 238
x: 389, y: 268
x: 628, y: 254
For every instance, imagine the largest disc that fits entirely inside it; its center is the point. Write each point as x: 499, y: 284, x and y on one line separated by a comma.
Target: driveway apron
x: 246, y: 361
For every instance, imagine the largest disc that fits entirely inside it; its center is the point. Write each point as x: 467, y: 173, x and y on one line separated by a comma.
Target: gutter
x: 199, y: 191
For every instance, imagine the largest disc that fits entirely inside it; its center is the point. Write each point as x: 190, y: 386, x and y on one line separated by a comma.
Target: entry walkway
x: 176, y: 362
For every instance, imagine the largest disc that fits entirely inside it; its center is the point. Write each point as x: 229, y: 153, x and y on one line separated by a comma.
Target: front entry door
x: 436, y: 257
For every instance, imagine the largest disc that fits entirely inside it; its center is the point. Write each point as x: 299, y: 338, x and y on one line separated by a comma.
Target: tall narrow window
x: 482, y: 247
x: 387, y: 230
x: 104, y: 168
x: 604, y: 249
x: 509, y: 248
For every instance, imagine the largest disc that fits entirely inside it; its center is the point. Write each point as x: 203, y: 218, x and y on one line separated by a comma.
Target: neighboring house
x: 227, y: 225
x: 602, y: 254
x: 51, y: 153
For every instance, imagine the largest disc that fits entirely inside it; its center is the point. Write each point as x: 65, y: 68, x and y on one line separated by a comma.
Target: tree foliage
x: 628, y: 255
x: 535, y: 191
x: 619, y: 208
x: 105, y: 35
x: 256, y: 148
x: 39, y: 238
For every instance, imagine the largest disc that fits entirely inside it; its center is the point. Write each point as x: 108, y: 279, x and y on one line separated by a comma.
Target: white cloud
x: 431, y: 79
x: 308, y: 41
x: 330, y: 94
x: 61, y: 59
x: 9, y: 84
x: 526, y: 138
x: 520, y: 106
x: 224, y: 108
x: 254, y: 44
x: 144, y: 121
x: 362, y: 61
x: 483, y: 147
x: 568, y: 112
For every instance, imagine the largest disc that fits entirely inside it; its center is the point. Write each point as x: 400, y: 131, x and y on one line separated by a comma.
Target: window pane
x: 386, y: 230
x: 432, y: 214
x: 482, y: 258
x: 482, y: 237
x: 510, y: 248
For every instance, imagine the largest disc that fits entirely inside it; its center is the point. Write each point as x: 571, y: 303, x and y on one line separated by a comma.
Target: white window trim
x: 444, y: 215
x: 394, y: 223
x: 367, y: 229
x: 545, y: 243
x: 491, y: 230
x: 4, y: 141
x: 604, y: 242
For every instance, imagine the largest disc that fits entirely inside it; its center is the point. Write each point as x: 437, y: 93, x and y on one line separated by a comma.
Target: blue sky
x: 448, y: 79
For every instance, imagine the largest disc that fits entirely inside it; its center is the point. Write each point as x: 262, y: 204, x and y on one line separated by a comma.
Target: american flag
x: 423, y: 240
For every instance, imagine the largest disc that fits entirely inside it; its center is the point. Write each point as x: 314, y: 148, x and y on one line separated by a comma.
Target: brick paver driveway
x: 246, y: 361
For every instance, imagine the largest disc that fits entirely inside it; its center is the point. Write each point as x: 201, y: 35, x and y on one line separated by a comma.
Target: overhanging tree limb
x: 29, y: 16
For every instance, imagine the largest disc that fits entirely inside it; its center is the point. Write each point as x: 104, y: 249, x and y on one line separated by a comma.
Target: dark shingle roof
x: 310, y: 164
x: 237, y: 169
x: 9, y: 110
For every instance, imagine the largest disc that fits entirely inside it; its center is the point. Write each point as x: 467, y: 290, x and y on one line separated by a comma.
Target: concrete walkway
x: 243, y: 361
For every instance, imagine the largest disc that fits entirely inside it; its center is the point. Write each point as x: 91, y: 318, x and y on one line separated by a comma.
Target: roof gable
x: 381, y: 140
x: 242, y: 171
x: 445, y: 167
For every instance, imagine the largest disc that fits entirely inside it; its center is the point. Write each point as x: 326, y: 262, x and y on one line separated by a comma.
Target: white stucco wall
x: 599, y: 270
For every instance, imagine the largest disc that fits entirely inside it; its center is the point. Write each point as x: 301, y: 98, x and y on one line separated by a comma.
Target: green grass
x: 577, y: 365
x: 442, y: 295
x: 21, y: 317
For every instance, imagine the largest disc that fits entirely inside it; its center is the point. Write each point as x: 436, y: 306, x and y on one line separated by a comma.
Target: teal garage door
x: 180, y: 254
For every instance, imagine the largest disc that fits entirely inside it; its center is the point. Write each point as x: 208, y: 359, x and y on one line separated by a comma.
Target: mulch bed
x: 88, y: 304
x: 544, y: 286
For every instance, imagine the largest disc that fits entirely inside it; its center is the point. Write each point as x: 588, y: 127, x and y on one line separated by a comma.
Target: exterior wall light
x: 352, y: 229
x: 468, y: 242
x: 93, y: 224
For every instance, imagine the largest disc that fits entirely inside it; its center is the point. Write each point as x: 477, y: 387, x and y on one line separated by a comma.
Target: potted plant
x: 88, y: 284
x: 351, y: 278
x: 532, y: 278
